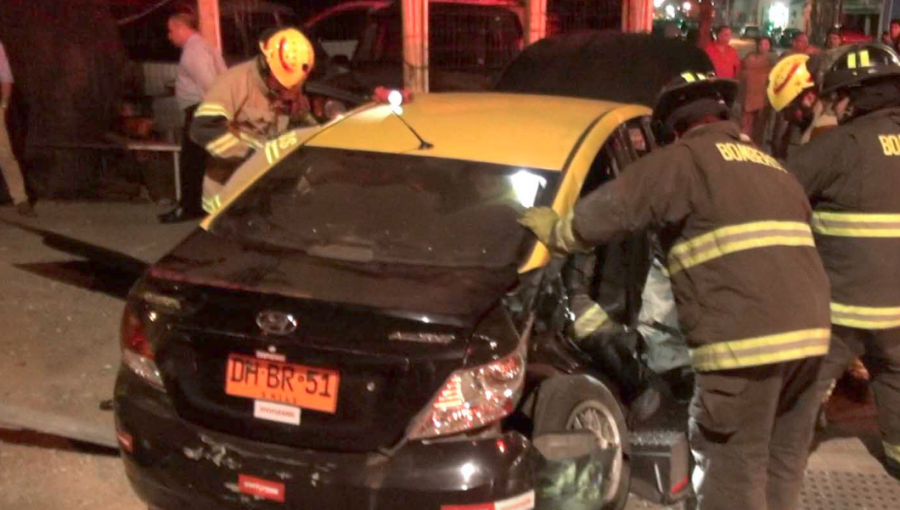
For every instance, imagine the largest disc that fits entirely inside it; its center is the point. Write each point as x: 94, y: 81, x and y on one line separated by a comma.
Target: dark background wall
x: 68, y: 63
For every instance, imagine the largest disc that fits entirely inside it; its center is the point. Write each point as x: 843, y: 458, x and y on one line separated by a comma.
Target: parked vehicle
x: 849, y: 36
x: 751, y: 32
x: 366, y: 325
x: 470, y: 43
x: 339, y: 28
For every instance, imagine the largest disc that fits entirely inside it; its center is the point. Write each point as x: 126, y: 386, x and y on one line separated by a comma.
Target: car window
x: 604, y: 168
x: 620, y: 267
x: 639, y: 135
x: 342, y: 26
x: 389, y: 208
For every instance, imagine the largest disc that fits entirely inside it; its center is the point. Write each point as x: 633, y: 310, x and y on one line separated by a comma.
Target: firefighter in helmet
x: 253, y: 104
x: 851, y: 175
x: 751, y: 291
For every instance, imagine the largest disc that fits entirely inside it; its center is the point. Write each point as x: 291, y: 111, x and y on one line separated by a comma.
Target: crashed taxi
x: 363, y: 324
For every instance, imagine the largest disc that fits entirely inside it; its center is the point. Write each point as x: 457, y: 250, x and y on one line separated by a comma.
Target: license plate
x: 287, y: 383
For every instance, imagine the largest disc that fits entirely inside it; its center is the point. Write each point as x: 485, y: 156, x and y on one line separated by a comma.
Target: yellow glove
x: 541, y: 221
x: 552, y: 230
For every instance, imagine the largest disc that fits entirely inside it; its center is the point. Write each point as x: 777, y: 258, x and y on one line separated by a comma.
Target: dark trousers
x: 193, y: 166
x: 750, y: 432
x: 880, y: 352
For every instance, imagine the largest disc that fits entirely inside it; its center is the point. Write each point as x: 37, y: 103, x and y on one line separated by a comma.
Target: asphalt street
x: 63, y: 277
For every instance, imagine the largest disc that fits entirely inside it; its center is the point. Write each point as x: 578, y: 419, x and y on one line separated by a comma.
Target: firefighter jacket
x: 749, y: 285
x: 852, y: 176
x: 240, y: 113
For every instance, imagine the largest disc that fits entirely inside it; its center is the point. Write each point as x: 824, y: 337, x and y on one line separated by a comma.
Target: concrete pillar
x: 637, y: 15
x: 537, y: 21
x: 208, y: 16
x: 415, y: 45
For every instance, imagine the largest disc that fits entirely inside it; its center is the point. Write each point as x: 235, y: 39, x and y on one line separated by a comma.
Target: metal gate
x: 564, y: 16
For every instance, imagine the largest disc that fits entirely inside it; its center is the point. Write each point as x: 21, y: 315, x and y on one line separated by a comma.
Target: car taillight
x: 136, y: 352
x: 473, y: 398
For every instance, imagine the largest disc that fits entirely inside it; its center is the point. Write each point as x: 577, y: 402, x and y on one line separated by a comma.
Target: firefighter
x: 791, y: 92
x: 751, y: 291
x: 597, y: 330
x: 253, y: 103
x: 851, y: 174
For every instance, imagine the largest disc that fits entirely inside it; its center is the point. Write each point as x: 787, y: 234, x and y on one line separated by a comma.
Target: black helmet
x: 686, y: 88
x: 859, y: 63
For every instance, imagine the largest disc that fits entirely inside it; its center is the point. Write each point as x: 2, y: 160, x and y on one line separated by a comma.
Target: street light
x: 686, y: 6
x: 657, y: 3
x: 779, y: 14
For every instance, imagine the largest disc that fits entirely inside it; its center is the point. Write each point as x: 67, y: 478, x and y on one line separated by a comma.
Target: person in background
x: 886, y: 38
x: 198, y: 68
x: 725, y: 59
x: 12, y: 172
x: 833, y: 39
x: 894, y: 34
x: 755, y: 76
x: 801, y: 44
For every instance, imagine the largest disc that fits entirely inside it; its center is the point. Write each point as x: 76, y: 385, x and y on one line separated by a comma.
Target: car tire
x: 580, y: 402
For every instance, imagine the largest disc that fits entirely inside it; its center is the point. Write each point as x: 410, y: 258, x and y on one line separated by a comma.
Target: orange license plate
x: 287, y: 383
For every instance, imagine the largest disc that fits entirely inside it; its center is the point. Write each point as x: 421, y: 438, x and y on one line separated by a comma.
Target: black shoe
x: 25, y: 209
x: 180, y: 214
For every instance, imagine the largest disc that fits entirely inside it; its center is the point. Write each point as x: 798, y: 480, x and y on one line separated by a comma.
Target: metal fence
x: 469, y: 39
x: 564, y: 16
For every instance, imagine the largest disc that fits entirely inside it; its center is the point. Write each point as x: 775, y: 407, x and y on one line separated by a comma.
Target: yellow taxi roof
x: 510, y: 129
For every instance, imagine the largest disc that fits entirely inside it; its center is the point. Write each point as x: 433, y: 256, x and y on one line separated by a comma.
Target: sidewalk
x: 62, y: 279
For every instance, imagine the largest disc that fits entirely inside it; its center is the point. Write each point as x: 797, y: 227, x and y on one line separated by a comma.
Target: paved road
x: 62, y: 278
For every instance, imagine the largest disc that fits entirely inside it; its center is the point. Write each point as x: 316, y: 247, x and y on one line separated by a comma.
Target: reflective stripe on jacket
x: 237, y: 115
x: 852, y: 174
x: 749, y: 285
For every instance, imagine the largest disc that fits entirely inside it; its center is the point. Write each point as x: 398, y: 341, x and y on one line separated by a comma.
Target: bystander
x: 755, y: 76
x: 12, y: 172
x: 725, y: 59
x: 198, y: 68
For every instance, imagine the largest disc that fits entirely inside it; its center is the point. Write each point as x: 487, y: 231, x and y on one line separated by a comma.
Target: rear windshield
x: 370, y: 207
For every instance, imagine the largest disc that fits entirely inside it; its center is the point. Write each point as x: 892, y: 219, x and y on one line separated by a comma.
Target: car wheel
x: 582, y: 403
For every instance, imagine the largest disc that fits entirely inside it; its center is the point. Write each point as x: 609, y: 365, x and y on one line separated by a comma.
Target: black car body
x: 364, y: 324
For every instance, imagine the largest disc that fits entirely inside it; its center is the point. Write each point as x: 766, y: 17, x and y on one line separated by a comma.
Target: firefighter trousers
x: 9, y: 166
x: 880, y: 352
x: 750, y: 432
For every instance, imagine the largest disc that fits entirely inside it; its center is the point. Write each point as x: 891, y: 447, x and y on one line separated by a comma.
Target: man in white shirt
x: 198, y: 68
x: 12, y: 173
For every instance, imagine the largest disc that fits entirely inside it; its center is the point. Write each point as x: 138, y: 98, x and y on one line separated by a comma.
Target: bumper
x: 173, y: 464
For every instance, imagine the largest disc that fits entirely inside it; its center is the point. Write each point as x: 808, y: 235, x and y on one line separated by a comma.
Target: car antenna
x: 395, y: 98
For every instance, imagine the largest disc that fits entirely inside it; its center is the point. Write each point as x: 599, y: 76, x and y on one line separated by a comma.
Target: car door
x: 622, y: 266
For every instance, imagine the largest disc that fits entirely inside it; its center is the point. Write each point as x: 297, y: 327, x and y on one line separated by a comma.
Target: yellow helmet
x: 787, y: 80
x: 289, y: 56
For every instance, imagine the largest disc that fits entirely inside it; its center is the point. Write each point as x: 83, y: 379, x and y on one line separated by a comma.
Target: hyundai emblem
x: 276, y: 323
